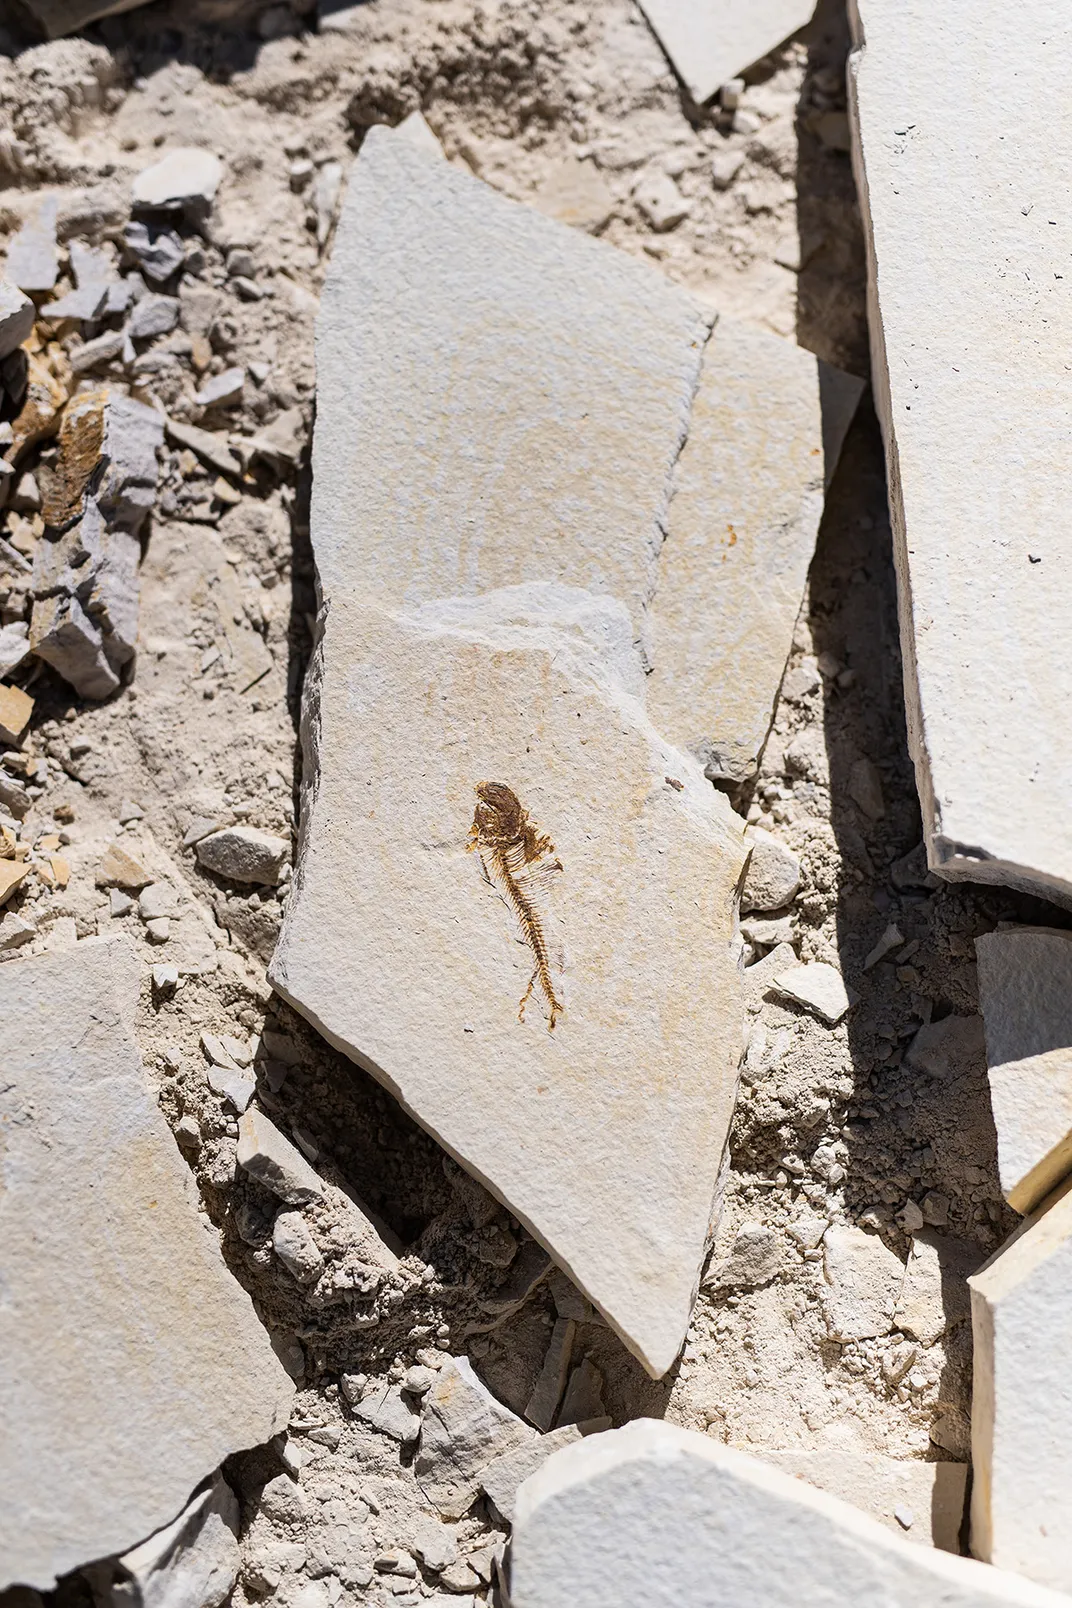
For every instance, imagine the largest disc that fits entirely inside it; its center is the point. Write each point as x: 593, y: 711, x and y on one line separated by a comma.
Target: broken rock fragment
x: 654, y: 1516
x: 709, y: 44
x: 244, y: 854
x: 270, y: 1158
x: 1025, y: 990
x: 111, y: 1450
x: 863, y: 1280
x: 85, y: 618
x: 764, y: 438
x: 924, y: 1502
x: 183, y: 176
x: 191, y: 1563
x: 16, y: 317
x: 32, y: 257
x: 966, y: 357
x: 1021, y: 1505
x: 462, y: 1429
x: 611, y: 1011
x: 819, y: 987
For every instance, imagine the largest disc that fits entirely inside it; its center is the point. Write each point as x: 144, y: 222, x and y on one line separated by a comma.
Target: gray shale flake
x: 655, y: 1516
x: 98, y: 1451
x: 472, y: 318
x: 968, y: 351
x: 85, y: 573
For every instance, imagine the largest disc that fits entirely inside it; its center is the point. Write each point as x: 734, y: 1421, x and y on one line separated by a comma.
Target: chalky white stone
x: 710, y: 43
x: 1021, y: 1505
x: 185, y: 174
x: 99, y: 1449
x: 766, y: 430
x: 501, y: 403
x: 655, y: 1516
x: 1025, y: 990
x: 963, y: 183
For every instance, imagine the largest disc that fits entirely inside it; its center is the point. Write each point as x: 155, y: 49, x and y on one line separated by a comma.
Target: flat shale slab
x: 133, y: 1362
x: 963, y: 179
x: 514, y: 902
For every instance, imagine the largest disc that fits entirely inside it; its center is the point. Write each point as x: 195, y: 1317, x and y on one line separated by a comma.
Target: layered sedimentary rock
x: 963, y: 188
x: 1021, y: 1503
x: 654, y: 1516
x: 514, y: 900
x: 1025, y: 991
x: 134, y: 1364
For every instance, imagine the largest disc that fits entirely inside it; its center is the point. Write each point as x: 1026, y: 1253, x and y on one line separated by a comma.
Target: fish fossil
x: 519, y: 862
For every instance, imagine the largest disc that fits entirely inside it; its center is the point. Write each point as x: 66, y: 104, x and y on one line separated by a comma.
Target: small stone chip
x: 11, y: 874
x: 120, y: 869
x: 244, y: 854
x: 16, y: 707
x: 271, y: 1158
x: 819, y: 988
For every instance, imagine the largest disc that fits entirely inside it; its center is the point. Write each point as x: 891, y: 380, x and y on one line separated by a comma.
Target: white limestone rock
x: 1021, y: 1505
x: 924, y: 1502
x: 16, y: 317
x: 269, y: 1156
x: 819, y: 987
x: 1025, y: 991
x: 934, y: 1295
x: 463, y: 1428
x: 970, y: 319
x: 417, y: 972
x: 513, y: 579
x: 187, y: 174
x: 469, y: 317
x: 244, y: 854
x: 655, y: 1516
x: 32, y: 256
x: 711, y: 43
x: 863, y: 1281
x: 191, y: 1563
x: 504, y: 1475
x: 98, y: 1451
x: 767, y: 427
x: 773, y: 875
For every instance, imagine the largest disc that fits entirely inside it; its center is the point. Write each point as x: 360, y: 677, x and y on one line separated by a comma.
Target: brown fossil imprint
x: 519, y: 862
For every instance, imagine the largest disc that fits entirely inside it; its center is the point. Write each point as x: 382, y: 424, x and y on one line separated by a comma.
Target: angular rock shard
x: 85, y: 618
x: 1025, y: 990
x: 712, y: 42
x: 653, y: 1516
x: 559, y: 1007
x: 104, y: 1439
x: 970, y: 320
x: 1021, y: 1504
x: 766, y: 430
x: 191, y: 1563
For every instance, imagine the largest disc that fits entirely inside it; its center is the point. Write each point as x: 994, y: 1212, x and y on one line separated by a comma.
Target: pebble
x: 186, y: 174
x: 101, y: 350
x: 165, y: 980
x: 119, y: 903
x: 819, y: 988
x: 436, y: 1547
x: 153, y: 315
x: 222, y: 389
x: 773, y: 876
x: 725, y: 166
x: 660, y: 200
x: 244, y: 854
x: 269, y: 1157
x: 157, y: 900
x: 160, y: 252
x: 158, y: 930
x: 295, y: 1246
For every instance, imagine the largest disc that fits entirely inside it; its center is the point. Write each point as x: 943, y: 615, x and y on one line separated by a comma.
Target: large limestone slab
x: 712, y: 42
x: 604, y: 1135
x: 133, y: 1362
x: 653, y: 1516
x: 1021, y: 1504
x: 767, y: 425
x: 1025, y: 990
x: 963, y: 180
x: 500, y: 399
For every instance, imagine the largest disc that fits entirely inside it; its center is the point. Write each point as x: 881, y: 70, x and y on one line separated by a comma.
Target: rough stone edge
x: 655, y: 1441
x: 948, y: 858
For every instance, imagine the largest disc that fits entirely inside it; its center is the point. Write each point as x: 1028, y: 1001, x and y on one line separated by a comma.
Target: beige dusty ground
x: 829, y: 1122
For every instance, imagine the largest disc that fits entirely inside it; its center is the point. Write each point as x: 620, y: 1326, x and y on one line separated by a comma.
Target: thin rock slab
x: 524, y: 393
x: 654, y: 1516
x: 1025, y: 991
x: 604, y: 1136
x: 970, y: 321
x: 1021, y: 1504
x: 191, y: 1563
x: 924, y: 1502
x: 766, y: 430
x: 711, y: 42
x: 100, y: 1448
